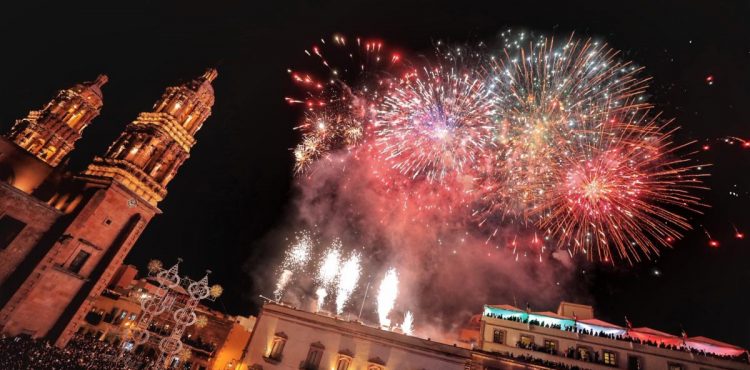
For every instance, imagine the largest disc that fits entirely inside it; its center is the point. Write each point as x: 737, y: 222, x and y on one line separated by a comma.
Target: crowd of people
x: 539, y: 361
x: 187, y: 339
x: 574, y: 329
x: 82, y: 353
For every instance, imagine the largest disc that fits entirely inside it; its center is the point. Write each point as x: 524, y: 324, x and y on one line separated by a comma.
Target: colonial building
x: 505, y: 338
x: 286, y: 338
x: 63, y: 236
x: 215, y: 342
x: 573, y: 337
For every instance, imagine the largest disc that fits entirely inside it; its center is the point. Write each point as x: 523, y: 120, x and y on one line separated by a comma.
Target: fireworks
x: 557, y: 137
x: 408, y: 325
x: 618, y: 194
x: 328, y: 271
x: 737, y: 233
x: 326, y: 130
x: 284, y: 279
x: 549, y: 99
x: 337, y: 104
x: 436, y: 122
x: 348, y: 278
x: 300, y: 252
x: 295, y: 259
x: 387, y: 295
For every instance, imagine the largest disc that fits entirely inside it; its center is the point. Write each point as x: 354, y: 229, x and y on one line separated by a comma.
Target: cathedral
x: 63, y: 235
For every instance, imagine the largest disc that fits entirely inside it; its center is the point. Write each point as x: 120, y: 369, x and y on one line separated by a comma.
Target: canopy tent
x: 597, y: 326
x: 713, y: 346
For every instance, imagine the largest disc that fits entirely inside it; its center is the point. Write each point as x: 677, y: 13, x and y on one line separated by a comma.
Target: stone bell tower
x: 153, y: 147
x: 51, y: 284
x: 51, y: 132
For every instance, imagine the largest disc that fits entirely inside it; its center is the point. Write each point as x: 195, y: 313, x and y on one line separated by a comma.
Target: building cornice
x: 586, y: 339
x: 434, y: 349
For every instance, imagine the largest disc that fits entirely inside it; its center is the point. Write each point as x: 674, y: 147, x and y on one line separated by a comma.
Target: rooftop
x: 596, y: 327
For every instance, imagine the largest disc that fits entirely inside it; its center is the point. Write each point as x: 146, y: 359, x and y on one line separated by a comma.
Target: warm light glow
x: 387, y: 295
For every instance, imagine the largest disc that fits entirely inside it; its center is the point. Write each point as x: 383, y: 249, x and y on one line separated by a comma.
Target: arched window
x: 277, y: 347
x: 376, y: 364
x: 314, y: 355
x: 343, y: 362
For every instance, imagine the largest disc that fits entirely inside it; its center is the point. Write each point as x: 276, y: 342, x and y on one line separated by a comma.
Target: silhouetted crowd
x: 741, y: 358
x: 538, y: 361
x: 82, y: 353
x: 193, y: 342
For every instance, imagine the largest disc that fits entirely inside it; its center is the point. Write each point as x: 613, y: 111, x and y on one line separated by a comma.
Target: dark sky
x: 236, y: 186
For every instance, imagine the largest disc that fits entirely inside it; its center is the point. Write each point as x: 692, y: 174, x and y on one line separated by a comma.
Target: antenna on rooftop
x: 266, y: 299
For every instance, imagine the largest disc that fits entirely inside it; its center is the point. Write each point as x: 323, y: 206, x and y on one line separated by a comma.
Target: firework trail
x: 297, y: 257
x: 436, y: 122
x: 408, y: 325
x: 387, y: 295
x: 338, y: 96
x: 557, y: 138
x: 579, y: 157
x: 549, y: 99
x: 328, y: 271
x: 737, y: 233
x: 284, y: 279
x: 348, y: 277
x: 618, y: 194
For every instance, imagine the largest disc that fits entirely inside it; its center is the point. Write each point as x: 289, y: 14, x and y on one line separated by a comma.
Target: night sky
x: 237, y: 186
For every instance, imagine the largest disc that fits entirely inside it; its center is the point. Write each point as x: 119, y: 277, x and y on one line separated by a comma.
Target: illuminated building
x: 572, y: 336
x: 215, y: 342
x: 288, y: 338
x: 50, y: 133
x: 62, y: 235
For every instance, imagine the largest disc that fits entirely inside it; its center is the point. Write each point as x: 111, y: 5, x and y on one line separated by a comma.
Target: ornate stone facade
x: 154, y: 146
x: 61, y: 246
x: 51, y: 132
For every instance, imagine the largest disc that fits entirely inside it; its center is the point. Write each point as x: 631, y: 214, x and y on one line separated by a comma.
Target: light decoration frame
x: 175, y: 301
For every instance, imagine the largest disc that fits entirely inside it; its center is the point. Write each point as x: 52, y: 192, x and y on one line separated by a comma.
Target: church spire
x: 152, y: 148
x: 51, y: 132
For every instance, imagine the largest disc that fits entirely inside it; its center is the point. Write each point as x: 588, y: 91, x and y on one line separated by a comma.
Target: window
x: 93, y: 317
x: 550, y: 345
x: 9, y: 230
x: 343, y: 362
x: 277, y: 347
x: 375, y: 363
x: 78, y: 261
x: 313, y: 356
x: 675, y: 366
x: 634, y: 363
x: 526, y: 340
x: 498, y: 336
x: 584, y: 353
x: 610, y: 358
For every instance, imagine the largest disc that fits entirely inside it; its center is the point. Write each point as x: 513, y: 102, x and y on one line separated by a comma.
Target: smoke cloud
x: 448, y: 266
